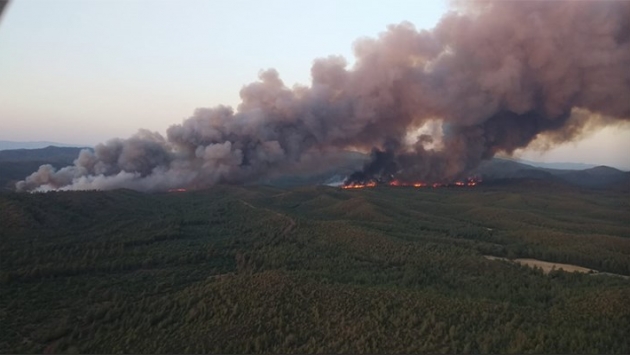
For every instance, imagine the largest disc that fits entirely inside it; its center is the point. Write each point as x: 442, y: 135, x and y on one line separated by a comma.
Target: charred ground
x: 314, y: 269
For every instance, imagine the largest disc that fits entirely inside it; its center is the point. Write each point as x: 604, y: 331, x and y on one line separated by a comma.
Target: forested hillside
x: 315, y: 269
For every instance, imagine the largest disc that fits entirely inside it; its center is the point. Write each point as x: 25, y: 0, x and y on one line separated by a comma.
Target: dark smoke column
x: 491, y: 77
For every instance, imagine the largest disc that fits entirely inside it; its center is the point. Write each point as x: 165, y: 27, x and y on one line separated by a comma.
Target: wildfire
x: 359, y: 186
x: 177, y: 190
x: 470, y: 182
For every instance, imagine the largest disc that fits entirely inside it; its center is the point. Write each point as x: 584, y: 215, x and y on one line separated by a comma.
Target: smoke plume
x: 430, y: 104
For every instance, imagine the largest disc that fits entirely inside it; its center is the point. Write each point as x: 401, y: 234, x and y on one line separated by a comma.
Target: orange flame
x: 177, y: 190
x: 417, y: 184
x: 359, y: 186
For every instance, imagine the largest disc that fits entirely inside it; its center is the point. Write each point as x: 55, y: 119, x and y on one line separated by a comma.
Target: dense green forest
x: 315, y: 270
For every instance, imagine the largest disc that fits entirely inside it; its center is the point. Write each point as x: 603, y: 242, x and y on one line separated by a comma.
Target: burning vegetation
x: 470, y: 182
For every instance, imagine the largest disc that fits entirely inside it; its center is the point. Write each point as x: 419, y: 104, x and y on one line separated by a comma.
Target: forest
x: 315, y: 269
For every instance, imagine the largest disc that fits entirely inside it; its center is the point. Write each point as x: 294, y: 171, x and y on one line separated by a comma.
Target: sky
x: 85, y: 71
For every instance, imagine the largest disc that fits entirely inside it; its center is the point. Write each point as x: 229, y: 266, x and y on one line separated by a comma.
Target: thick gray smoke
x: 490, y: 77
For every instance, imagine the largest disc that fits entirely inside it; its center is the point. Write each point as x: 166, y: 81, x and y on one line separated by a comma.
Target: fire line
x: 471, y: 182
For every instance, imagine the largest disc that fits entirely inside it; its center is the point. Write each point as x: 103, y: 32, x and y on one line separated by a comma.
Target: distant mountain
x: 562, y: 166
x: 594, y: 177
x: 5, y: 145
x: 599, y: 176
x: 498, y: 168
x: 50, y: 154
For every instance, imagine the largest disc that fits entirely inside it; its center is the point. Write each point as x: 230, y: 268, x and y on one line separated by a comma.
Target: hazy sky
x: 84, y: 71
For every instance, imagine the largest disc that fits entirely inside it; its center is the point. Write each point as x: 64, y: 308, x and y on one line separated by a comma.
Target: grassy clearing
x: 545, y: 266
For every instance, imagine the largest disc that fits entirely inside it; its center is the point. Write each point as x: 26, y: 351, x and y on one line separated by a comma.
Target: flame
x: 470, y: 182
x: 177, y: 190
x: 359, y: 186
